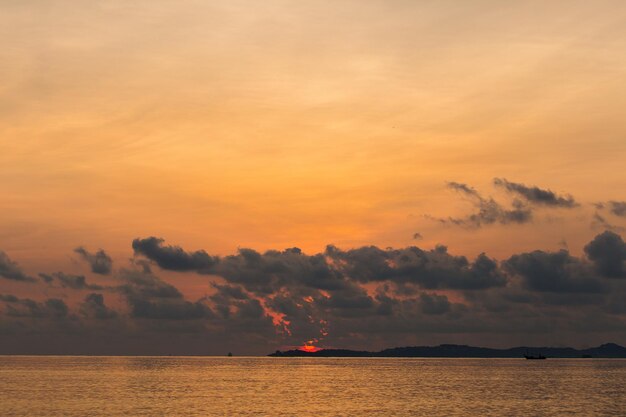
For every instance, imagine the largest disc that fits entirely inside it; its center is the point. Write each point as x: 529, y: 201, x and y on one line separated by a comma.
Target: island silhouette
x: 607, y: 350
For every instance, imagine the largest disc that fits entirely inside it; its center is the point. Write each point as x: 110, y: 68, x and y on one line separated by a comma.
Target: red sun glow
x: 309, y: 348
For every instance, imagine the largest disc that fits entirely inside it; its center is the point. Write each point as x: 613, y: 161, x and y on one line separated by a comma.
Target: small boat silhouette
x: 529, y: 356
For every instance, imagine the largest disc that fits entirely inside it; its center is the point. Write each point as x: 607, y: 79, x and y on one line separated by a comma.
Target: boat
x: 539, y: 356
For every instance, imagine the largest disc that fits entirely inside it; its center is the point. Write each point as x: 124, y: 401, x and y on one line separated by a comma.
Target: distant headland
x: 607, y: 350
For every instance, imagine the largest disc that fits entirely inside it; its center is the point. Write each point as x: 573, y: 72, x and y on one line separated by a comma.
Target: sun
x: 309, y: 348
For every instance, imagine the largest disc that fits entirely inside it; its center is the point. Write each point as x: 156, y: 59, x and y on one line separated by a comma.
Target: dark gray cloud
x: 100, y: 262
x: 232, y: 302
x: 8, y: 298
x: 75, y: 282
x: 434, y: 303
x: 463, y: 188
x: 489, y: 210
x: 143, y: 285
x: 229, y: 292
x: 149, y: 297
x: 554, y: 272
x: 250, y: 309
x: 47, y: 278
x: 349, y: 302
x: 143, y: 264
x: 536, y: 195
x: 93, y: 307
x: 618, y: 208
x: 431, y: 269
x: 268, y: 272
x: 11, y: 270
x: 615, y: 208
x: 336, y: 273
x: 599, y: 221
x: 173, y: 257
x: 25, y: 307
x: 168, y: 309
x: 607, y: 251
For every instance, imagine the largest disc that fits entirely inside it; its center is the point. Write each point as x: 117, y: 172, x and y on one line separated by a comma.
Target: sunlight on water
x: 201, y: 386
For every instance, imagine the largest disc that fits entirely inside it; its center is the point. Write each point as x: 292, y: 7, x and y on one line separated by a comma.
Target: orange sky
x: 272, y: 124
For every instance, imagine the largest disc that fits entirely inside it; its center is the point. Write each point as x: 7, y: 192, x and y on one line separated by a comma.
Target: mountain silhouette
x: 607, y: 350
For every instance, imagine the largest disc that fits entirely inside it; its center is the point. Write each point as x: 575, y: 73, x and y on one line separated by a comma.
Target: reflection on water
x: 195, y: 386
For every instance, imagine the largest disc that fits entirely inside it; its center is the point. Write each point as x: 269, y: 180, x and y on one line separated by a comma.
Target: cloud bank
x: 366, y: 297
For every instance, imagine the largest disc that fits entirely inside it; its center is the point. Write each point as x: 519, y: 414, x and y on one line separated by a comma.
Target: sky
x: 198, y: 177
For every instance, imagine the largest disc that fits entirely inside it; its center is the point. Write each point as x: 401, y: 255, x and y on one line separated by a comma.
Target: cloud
x: 536, y: 195
x: 489, y: 210
x: 25, y: 307
x: 431, y: 269
x: 599, y: 221
x: 227, y: 298
x: 250, y: 309
x: 607, y: 251
x: 615, y: 208
x: 151, y: 298
x: 168, y: 309
x: 554, y: 272
x: 330, y: 281
x: 464, y: 188
x: 146, y: 285
x: 349, y: 302
x: 618, y: 208
x: 434, y: 303
x: 75, y: 282
x: 10, y: 270
x: 100, y: 262
x: 94, y: 307
x: 268, y: 272
x: 229, y: 292
x: 173, y: 257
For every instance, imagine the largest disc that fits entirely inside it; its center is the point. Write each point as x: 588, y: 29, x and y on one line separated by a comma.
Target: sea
x: 263, y: 386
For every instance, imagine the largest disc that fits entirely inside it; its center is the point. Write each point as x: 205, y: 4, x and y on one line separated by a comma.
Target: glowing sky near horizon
x: 226, y: 124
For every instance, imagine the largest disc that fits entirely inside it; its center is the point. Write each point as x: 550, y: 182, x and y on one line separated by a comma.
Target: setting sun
x: 309, y: 348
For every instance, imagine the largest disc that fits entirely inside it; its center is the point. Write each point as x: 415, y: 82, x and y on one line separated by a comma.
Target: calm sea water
x: 211, y: 386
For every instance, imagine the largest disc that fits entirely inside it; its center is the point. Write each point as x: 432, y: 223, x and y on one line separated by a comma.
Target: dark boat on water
x: 539, y: 356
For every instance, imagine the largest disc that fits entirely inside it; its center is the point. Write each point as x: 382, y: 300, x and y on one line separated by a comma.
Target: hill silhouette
x: 607, y: 350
